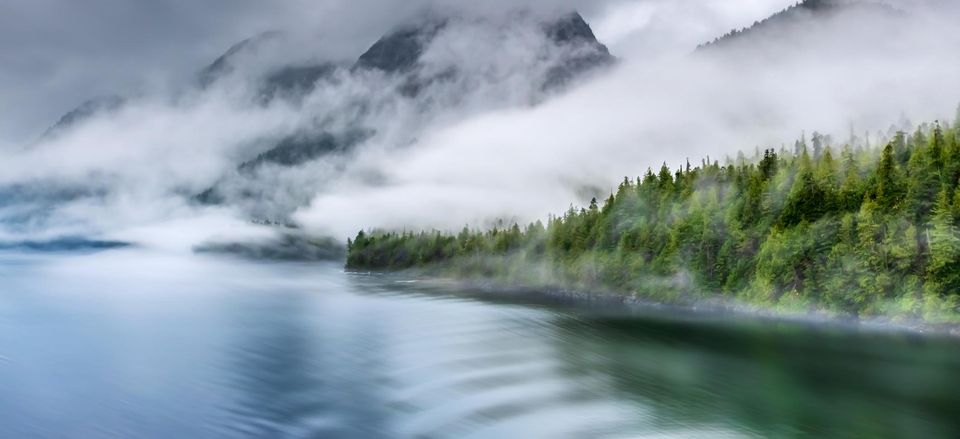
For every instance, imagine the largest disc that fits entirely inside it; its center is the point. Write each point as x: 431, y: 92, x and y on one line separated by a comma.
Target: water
x: 123, y: 344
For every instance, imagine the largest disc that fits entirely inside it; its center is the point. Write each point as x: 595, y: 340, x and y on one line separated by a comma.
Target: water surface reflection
x: 124, y: 344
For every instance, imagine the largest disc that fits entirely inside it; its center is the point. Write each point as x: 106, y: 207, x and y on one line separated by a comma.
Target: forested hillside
x: 795, y: 20
x: 861, y: 229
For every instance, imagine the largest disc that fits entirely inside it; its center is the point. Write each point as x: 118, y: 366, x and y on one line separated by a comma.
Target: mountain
x: 572, y: 31
x: 400, y: 50
x: 399, y: 53
x: 226, y: 64
x: 298, y: 80
x: 219, y: 68
x: 83, y: 112
x: 807, y: 21
x: 297, y: 149
x: 282, y: 80
x: 400, y: 61
x: 416, y: 77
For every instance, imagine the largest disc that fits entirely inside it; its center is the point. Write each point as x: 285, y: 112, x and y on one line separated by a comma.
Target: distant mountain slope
x: 83, y: 112
x: 401, y: 49
x: 396, y: 52
x: 399, y: 61
x: 573, y: 31
x: 428, y: 69
x: 792, y: 21
x: 226, y: 63
x: 296, y: 79
x: 400, y: 52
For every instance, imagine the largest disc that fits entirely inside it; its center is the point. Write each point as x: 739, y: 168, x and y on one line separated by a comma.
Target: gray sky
x: 58, y: 53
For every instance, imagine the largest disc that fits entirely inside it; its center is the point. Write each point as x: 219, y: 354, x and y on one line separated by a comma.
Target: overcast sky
x: 56, y: 54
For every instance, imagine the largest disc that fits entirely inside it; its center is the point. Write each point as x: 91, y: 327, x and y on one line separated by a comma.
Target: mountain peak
x: 571, y: 28
x: 224, y: 65
x: 400, y: 49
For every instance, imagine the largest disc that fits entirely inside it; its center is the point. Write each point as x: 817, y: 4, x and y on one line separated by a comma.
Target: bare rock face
x: 587, y: 52
x: 573, y: 29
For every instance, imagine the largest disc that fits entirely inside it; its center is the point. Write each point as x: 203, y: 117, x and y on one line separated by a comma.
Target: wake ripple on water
x: 312, y: 353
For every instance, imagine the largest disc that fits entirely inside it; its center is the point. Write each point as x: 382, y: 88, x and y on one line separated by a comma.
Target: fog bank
x: 484, y: 143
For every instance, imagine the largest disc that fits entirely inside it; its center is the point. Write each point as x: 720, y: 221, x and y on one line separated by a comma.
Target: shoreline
x: 699, y: 309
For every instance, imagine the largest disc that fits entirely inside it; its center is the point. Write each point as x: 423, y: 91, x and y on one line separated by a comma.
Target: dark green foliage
x: 874, y: 231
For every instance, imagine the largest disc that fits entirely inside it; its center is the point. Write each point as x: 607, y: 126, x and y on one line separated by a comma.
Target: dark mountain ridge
x: 794, y: 18
x: 573, y: 30
x: 225, y: 64
x: 399, y: 55
x: 83, y: 112
x: 400, y: 50
x: 397, y: 52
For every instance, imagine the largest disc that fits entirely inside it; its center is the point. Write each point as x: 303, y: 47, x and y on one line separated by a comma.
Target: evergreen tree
x: 956, y: 119
x: 945, y: 246
x: 889, y: 187
x: 856, y: 234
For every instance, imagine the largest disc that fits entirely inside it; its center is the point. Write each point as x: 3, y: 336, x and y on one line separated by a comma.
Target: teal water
x: 125, y: 344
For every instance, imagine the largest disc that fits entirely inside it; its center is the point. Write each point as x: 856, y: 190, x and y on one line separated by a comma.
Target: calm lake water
x: 124, y: 344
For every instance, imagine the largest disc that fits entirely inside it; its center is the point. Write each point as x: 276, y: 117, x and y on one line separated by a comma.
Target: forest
x: 864, y: 228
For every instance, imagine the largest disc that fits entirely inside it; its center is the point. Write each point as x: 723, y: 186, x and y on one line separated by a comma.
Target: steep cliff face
x: 586, y: 54
x: 573, y: 29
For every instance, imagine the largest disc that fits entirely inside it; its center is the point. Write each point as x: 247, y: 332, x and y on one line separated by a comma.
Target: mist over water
x: 133, y: 344
x: 111, y: 326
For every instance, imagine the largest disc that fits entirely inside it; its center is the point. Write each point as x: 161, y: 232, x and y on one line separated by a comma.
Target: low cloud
x: 485, y: 146
x: 526, y: 163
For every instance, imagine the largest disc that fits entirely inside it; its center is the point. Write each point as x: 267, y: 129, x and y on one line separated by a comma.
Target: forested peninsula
x: 864, y: 229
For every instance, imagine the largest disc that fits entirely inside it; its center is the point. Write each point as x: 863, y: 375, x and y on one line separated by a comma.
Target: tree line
x: 861, y: 229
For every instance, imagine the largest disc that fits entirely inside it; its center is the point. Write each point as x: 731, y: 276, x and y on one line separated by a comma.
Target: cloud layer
x: 476, y: 149
x: 58, y: 53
